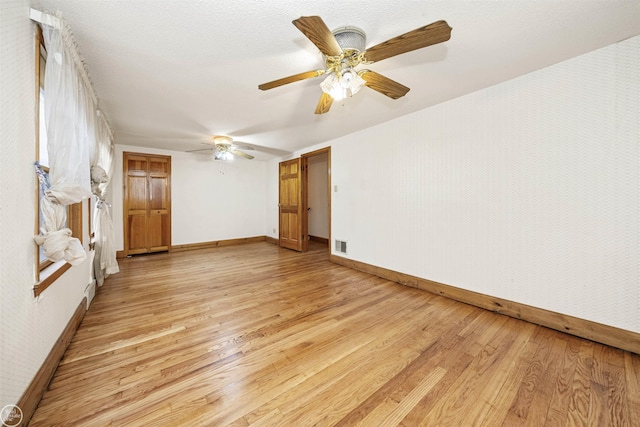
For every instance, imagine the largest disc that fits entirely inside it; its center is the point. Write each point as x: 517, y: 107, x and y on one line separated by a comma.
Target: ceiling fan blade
x: 324, y: 104
x: 240, y: 153
x: 428, y: 35
x: 291, y: 79
x: 314, y: 28
x: 200, y: 149
x: 242, y: 147
x: 384, y: 85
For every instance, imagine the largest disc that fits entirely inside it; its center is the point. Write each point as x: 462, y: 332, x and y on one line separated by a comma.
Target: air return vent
x: 341, y: 246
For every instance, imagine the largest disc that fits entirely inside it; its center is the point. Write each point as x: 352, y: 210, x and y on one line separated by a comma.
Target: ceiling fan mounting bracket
x: 352, y: 42
x: 351, y: 38
x: 221, y: 140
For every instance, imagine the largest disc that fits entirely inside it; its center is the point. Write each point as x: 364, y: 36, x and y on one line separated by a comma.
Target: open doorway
x: 317, y: 196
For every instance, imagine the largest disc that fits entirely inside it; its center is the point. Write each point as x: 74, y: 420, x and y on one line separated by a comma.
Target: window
x: 74, y: 212
x: 41, y: 143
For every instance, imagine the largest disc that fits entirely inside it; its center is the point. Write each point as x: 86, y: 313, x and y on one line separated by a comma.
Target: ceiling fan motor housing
x: 350, y: 38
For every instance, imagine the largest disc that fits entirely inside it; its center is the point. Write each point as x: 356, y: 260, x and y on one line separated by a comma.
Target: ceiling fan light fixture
x: 332, y: 86
x: 351, y: 80
x: 343, y: 84
x: 223, y: 155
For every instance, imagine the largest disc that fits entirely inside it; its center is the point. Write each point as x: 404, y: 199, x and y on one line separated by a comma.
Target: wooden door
x: 135, y: 203
x: 159, y: 222
x: 291, y: 205
x: 147, y: 203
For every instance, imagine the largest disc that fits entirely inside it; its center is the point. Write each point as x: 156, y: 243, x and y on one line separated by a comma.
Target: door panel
x: 137, y: 206
x: 159, y: 196
x: 157, y: 239
x: 158, y: 166
x: 137, y: 239
x: 290, y: 207
x: 137, y: 193
x: 137, y: 165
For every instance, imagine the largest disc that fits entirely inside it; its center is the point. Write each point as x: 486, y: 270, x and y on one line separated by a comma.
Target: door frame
x: 303, y: 184
x: 305, y: 193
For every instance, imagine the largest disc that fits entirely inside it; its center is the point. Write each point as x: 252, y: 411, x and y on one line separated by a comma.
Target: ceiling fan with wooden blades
x: 223, y: 148
x: 344, y: 50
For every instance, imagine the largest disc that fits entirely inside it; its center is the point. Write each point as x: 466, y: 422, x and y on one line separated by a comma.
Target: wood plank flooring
x: 255, y: 335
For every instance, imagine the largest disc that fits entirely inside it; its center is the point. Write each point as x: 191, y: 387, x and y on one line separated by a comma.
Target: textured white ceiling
x: 170, y: 73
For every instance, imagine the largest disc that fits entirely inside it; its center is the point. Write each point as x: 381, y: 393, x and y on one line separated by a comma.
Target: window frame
x: 47, y: 271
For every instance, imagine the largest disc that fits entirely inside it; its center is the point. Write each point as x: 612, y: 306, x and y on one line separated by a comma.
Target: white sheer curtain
x: 104, y: 262
x: 70, y: 122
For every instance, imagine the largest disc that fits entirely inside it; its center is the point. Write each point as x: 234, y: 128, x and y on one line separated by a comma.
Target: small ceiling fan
x: 223, y: 148
x: 344, y: 50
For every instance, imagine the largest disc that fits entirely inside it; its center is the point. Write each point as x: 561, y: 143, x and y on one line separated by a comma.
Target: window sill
x: 49, y: 275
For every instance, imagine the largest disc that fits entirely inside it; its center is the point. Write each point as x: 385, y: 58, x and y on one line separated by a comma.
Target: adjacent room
x: 298, y: 213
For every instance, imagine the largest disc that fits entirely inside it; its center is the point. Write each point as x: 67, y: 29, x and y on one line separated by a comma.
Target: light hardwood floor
x: 257, y: 335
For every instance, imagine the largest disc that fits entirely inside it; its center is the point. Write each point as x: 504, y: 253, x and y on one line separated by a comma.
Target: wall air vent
x: 341, y: 247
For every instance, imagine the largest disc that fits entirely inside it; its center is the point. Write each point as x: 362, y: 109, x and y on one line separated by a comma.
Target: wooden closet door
x: 159, y: 219
x: 147, y: 203
x: 135, y: 202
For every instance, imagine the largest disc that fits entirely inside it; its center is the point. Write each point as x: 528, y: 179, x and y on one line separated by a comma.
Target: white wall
x: 528, y: 190
x: 206, y: 205
x: 29, y: 327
